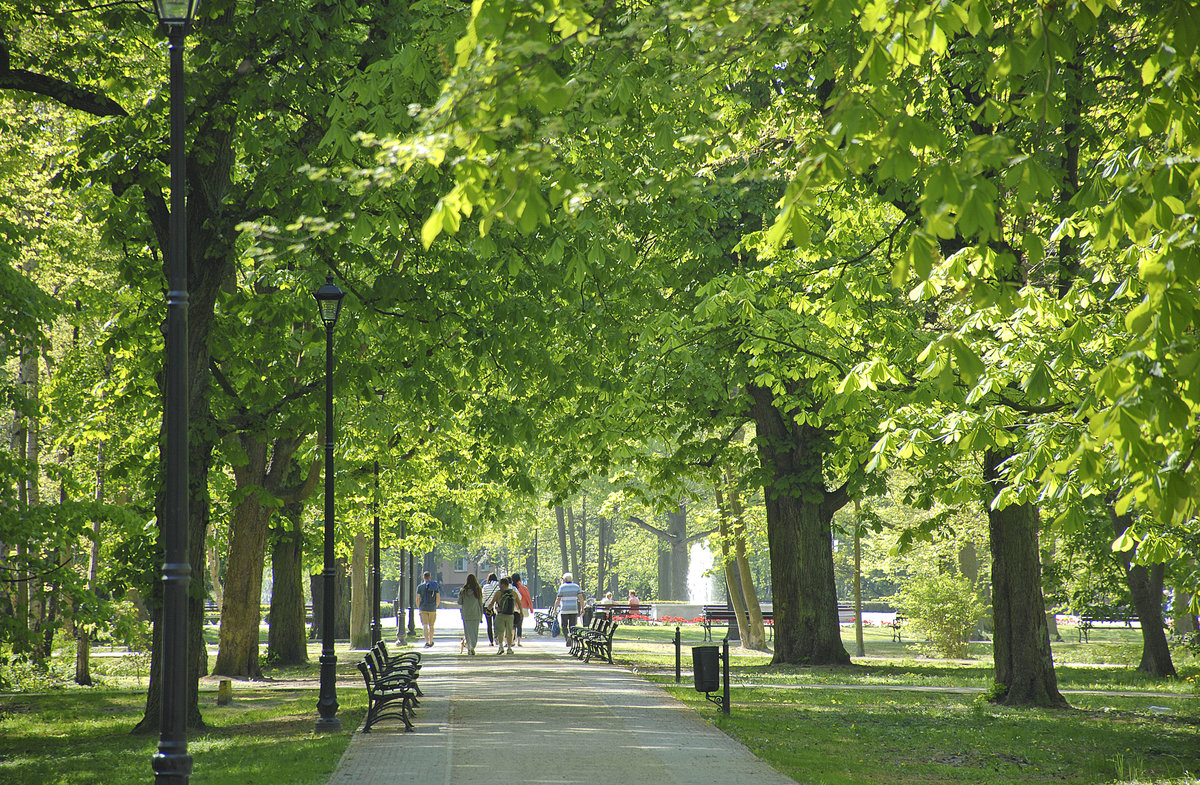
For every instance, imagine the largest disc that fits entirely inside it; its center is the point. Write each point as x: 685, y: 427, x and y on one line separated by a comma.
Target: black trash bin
x: 706, y: 668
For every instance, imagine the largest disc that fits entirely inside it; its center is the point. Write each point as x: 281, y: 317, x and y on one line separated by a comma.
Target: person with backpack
x: 506, y: 603
x: 430, y: 593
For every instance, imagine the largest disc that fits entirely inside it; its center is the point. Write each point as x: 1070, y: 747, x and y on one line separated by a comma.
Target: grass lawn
x: 80, y: 736
x: 886, y: 718
x: 891, y: 717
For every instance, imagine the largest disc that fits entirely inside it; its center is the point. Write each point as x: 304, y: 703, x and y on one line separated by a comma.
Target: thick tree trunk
x: 360, y: 592
x: 209, y: 265
x: 286, y: 639
x: 238, y: 640
x: 678, y: 553
x: 799, y: 516
x: 1146, y: 589
x: 1021, y: 643
x: 241, y: 614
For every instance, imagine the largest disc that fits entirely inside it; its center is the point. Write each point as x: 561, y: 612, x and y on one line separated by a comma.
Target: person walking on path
x: 430, y: 593
x: 506, y: 603
x: 526, y: 604
x: 490, y: 587
x: 568, y: 604
x: 471, y: 600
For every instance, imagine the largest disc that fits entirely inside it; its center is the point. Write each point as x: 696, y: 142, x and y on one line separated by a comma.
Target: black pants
x: 489, y: 617
x: 517, y: 619
x: 568, y: 624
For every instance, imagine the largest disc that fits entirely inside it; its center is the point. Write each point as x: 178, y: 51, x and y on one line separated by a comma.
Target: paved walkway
x: 541, y: 716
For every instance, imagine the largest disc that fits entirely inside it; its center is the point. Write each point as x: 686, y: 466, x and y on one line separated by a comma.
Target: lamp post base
x: 328, y: 725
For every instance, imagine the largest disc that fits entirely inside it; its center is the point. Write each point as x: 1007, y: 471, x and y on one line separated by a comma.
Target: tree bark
x: 562, y: 538
x: 732, y: 582
x: 1183, y: 620
x: 1021, y: 643
x: 757, y: 631
x: 1146, y: 589
x: 573, y: 553
x: 799, y: 516
x: 678, y: 545
x: 360, y: 592
x: 267, y: 467
x: 286, y: 639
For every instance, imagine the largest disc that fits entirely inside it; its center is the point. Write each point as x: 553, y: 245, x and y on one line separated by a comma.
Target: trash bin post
x: 677, y: 656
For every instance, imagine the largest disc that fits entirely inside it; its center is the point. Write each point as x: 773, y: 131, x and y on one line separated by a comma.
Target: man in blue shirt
x: 429, y: 593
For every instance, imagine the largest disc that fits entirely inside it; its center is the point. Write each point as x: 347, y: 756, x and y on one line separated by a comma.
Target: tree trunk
x: 83, y: 636
x: 859, y: 647
x: 799, y: 516
x: 1183, y: 621
x: 238, y: 640
x: 679, y: 556
x: 241, y: 615
x: 573, y: 553
x: 209, y: 263
x: 732, y: 582
x: 562, y: 538
x: 360, y: 592
x: 1146, y: 588
x: 582, y: 540
x: 1021, y: 643
x: 213, y: 558
x: 757, y: 632
x: 341, y: 599
x: 603, y: 526
x: 286, y: 641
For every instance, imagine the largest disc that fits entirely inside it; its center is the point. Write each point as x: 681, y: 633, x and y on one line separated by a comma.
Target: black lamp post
x: 376, y: 623
x: 171, y: 763
x: 329, y: 300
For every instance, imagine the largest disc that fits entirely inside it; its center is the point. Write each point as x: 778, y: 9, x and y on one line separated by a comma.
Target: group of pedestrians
x: 503, y: 603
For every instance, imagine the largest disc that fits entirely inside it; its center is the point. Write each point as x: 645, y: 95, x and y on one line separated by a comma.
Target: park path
x: 541, y: 716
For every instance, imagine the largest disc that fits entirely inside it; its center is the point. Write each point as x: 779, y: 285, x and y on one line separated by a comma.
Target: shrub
x: 944, y: 607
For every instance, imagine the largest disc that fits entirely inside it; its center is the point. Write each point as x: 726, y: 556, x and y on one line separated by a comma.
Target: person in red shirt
x: 526, y: 604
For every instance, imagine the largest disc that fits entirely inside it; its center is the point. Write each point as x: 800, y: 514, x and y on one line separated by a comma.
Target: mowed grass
x: 891, y: 717
x: 81, y: 736
x: 897, y: 717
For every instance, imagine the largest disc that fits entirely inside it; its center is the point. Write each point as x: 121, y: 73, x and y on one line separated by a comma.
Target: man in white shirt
x: 568, y: 604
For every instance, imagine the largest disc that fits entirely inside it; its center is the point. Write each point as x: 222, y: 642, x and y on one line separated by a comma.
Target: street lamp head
x: 174, y: 14
x: 329, y: 300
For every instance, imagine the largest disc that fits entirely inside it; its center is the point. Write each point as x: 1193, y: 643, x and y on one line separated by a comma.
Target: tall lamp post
x: 171, y: 763
x: 329, y: 300
x: 376, y: 623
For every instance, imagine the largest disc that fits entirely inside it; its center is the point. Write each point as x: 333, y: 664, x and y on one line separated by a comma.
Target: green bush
x: 944, y: 607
